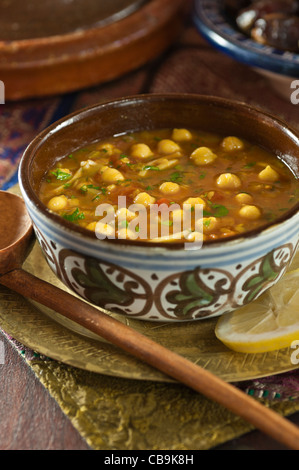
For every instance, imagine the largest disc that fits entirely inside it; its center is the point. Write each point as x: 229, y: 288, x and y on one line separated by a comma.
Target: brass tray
x: 48, y: 333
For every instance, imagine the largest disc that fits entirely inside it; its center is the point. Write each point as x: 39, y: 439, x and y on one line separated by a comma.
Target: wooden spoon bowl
x: 17, y: 238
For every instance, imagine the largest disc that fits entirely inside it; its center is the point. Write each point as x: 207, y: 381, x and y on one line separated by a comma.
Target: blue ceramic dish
x: 213, y: 23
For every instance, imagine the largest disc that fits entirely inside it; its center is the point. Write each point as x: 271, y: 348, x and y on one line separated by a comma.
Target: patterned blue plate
x: 214, y: 25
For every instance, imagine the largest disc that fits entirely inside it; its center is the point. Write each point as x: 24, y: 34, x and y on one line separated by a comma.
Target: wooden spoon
x: 16, y: 239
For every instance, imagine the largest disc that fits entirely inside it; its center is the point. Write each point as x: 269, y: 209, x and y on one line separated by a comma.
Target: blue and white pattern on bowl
x: 167, y: 285
x: 213, y: 23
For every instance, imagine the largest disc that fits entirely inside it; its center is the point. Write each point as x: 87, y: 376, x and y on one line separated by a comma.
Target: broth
x: 221, y: 185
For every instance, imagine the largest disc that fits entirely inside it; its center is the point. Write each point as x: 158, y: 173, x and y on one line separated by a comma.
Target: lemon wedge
x: 269, y: 323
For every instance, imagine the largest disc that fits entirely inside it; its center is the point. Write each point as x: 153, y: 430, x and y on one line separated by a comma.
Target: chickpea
x: 57, y: 203
x: 230, y: 144
x: 177, y: 215
x: 92, y: 226
x: 104, y: 229
x: 89, y: 167
x: 250, y: 212
x: 144, y: 198
x: 196, y: 237
x: 111, y: 187
x: 209, y: 224
x: 111, y: 175
x: 240, y: 228
x: 228, y: 181
x: 195, y: 200
x: 244, y: 198
x: 167, y: 147
x: 268, y: 174
x: 125, y: 213
x: 181, y: 135
x: 107, y: 148
x: 169, y: 188
x: 103, y: 168
x: 125, y: 160
x: 203, y: 156
x: 141, y: 151
x: 124, y: 233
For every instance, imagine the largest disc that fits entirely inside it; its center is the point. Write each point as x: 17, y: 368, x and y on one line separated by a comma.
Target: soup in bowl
x: 165, y: 207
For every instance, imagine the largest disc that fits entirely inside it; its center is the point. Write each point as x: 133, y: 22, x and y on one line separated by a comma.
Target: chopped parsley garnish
x: 169, y: 223
x: 103, y: 191
x: 207, y: 223
x: 123, y: 224
x: 249, y: 165
x: 74, y: 216
x: 85, y: 187
x: 150, y: 167
x: 218, y: 211
x: 269, y: 216
x: 176, y: 177
x: 61, y: 175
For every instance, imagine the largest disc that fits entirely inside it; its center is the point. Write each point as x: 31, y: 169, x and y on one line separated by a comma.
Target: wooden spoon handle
x: 154, y: 354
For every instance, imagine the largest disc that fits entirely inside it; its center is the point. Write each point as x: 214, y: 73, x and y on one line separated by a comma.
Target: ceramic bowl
x: 280, y: 68
x: 165, y: 283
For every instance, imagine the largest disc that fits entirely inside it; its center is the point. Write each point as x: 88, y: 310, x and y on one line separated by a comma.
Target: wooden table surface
x: 30, y: 419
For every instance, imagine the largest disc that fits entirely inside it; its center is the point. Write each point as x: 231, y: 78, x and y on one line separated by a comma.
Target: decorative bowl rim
x: 79, y: 115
